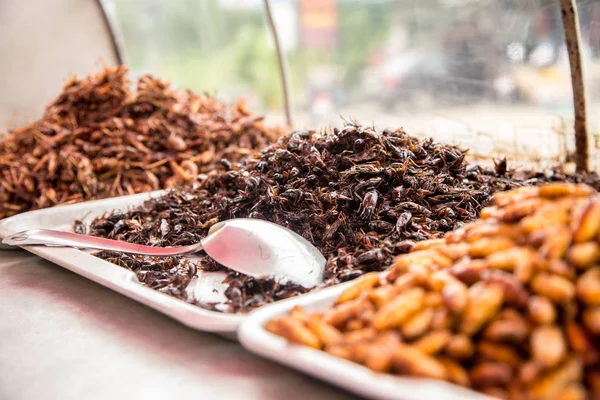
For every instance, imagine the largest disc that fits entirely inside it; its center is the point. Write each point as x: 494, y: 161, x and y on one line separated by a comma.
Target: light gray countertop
x: 64, y: 337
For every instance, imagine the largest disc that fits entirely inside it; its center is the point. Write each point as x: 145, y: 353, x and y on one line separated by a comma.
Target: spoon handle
x: 67, y: 239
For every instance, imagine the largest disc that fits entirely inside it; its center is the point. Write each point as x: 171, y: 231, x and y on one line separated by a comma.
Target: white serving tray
x: 345, y: 374
x: 107, y: 274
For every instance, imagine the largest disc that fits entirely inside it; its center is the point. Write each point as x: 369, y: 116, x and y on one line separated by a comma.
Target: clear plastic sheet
x: 489, y: 75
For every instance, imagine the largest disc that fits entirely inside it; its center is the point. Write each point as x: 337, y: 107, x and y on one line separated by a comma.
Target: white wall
x: 42, y: 43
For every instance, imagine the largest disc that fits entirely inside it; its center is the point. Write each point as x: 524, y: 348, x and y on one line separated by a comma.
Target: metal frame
x: 116, y: 38
x: 572, y: 38
x: 573, y: 41
x: 282, y: 65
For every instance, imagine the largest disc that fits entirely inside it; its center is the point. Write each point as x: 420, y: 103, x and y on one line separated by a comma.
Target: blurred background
x: 492, y: 75
x: 489, y: 74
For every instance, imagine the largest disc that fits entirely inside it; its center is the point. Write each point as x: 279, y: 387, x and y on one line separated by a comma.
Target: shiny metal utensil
x: 251, y: 246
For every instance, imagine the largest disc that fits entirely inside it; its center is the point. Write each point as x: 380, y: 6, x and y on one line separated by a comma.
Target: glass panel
x: 215, y: 46
x: 589, y: 15
x: 491, y: 75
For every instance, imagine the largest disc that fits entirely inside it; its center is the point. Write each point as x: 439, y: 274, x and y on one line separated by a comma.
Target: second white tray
x: 345, y: 374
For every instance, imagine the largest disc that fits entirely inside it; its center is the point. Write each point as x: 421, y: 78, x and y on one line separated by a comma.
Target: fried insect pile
x: 508, y: 305
x: 362, y: 197
x: 100, y: 139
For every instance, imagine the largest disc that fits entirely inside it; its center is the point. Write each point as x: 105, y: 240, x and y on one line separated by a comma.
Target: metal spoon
x: 251, y: 246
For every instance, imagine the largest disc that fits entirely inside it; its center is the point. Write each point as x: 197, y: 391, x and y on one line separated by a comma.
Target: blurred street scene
x: 492, y: 75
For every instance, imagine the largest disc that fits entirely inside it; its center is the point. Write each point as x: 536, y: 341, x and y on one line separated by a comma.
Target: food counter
x: 69, y: 338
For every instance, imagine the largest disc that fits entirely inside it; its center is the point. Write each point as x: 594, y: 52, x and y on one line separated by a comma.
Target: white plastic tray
x: 345, y: 374
x: 107, y: 274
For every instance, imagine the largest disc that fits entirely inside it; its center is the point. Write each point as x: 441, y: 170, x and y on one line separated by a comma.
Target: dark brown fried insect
x: 368, y: 205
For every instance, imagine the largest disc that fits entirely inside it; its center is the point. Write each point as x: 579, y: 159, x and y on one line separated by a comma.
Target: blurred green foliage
x: 202, y: 46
